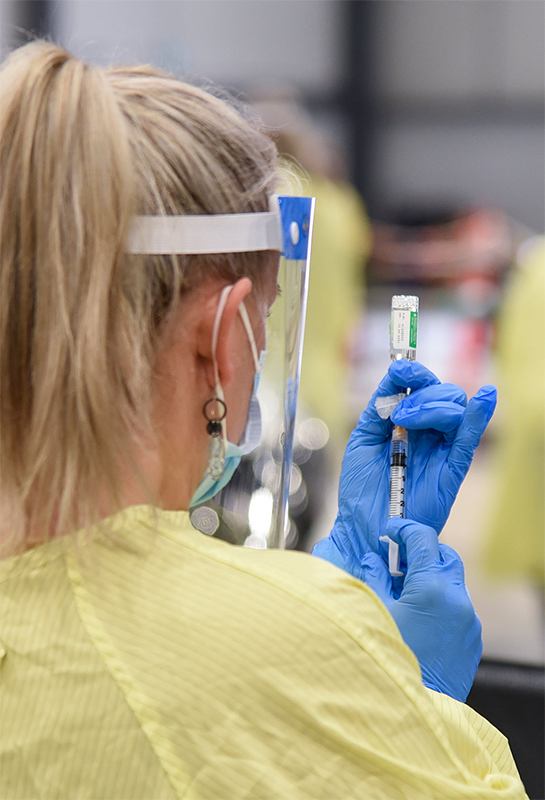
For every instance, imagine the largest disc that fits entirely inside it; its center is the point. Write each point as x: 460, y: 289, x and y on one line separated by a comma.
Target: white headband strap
x: 207, y: 233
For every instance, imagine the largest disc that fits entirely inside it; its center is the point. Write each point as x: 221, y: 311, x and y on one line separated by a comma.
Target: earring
x: 215, y: 411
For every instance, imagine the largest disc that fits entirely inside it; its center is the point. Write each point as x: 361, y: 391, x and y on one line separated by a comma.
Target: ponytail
x: 81, y: 150
x: 65, y: 329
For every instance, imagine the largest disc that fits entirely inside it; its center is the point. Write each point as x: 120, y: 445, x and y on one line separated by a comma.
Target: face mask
x: 251, y: 436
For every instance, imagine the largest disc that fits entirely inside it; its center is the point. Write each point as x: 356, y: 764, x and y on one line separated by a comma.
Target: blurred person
x: 514, y: 548
x: 341, y: 246
x: 139, y: 658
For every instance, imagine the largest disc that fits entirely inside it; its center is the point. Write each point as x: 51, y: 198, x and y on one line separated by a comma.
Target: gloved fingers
x: 419, y: 542
x: 437, y: 393
x: 376, y: 575
x: 329, y: 550
x: 451, y: 559
x: 444, y: 417
x: 401, y: 375
x: 454, y: 568
x: 476, y: 417
x: 372, y: 429
x: 410, y: 375
x: 434, y: 407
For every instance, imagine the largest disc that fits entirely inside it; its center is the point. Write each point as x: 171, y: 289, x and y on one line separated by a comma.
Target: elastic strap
x: 196, y: 234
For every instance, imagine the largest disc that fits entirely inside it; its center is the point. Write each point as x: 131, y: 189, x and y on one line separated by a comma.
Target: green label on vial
x: 413, y: 329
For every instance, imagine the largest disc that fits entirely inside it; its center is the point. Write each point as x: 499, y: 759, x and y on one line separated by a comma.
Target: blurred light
x: 292, y: 535
x: 313, y: 433
x: 256, y: 542
x: 259, y: 463
x: 268, y: 400
x: 260, y: 515
x: 295, y: 479
x: 270, y: 477
x: 270, y: 410
x: 300, y: 454
x: 299, y: 500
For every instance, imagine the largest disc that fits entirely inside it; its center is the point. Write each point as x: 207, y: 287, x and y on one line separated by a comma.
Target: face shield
x: 253, y: 508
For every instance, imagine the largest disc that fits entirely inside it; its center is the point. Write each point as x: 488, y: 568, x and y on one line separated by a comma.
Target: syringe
x: 403, y: 335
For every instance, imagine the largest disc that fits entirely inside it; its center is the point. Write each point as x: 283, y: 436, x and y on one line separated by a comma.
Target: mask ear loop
x: 249, y: 332
x: 215, y: 331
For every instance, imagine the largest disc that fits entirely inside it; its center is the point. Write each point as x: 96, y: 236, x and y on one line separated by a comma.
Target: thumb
x: 420, y: 543
x: 376, y: 575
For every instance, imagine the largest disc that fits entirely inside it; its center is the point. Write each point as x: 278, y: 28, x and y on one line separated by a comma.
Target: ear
x: 226, y: 343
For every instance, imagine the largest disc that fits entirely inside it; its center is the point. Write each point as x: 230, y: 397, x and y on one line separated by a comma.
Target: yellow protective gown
x: 516, y: 537
x: 149, y: 661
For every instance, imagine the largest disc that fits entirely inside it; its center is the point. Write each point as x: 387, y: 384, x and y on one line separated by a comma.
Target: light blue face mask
x: 251, y: 436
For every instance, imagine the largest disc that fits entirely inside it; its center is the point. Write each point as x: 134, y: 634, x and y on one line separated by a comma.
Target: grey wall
x: 477, y: 50
x: 460, y: 89
x: 7, y: 24
x: 457, y: 93
x: 240, y: 43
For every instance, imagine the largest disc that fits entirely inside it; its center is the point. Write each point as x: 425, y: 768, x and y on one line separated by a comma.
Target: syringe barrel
x: 403, y: 335
x: 403, y: 327
x: 399, y: 435
x: 398, y: 466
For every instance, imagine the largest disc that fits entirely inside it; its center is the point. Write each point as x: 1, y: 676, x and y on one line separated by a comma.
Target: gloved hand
x: 444, y: 431
x: 433, y: 612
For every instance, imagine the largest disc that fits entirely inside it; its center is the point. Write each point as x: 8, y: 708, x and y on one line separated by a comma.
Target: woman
x: 140, y: 658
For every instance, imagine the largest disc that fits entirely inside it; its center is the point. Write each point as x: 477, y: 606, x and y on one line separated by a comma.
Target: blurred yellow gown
x: 515, y: 545
x: 340, y: 247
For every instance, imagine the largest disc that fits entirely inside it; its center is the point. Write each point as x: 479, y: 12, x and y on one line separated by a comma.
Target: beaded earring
x: 215, y: 411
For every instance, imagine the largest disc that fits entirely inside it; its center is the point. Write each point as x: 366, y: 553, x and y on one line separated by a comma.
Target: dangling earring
x: 215, y: 411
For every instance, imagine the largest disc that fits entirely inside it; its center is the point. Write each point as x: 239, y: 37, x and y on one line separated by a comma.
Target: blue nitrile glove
x: 434, y: 612
x: 444, y: 430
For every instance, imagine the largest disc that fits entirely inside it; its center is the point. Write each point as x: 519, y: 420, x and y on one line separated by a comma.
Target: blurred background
x: 419, y: 126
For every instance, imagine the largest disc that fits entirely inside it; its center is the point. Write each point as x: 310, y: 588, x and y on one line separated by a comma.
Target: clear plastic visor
x: 253, y: 509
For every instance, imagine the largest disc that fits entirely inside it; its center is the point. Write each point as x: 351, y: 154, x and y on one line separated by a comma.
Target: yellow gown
x: 515, y: 543
x: 340, y: 247
x: 146, y: 660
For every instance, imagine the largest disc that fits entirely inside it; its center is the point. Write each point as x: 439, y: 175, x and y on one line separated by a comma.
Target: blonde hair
x: 82, y: 149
